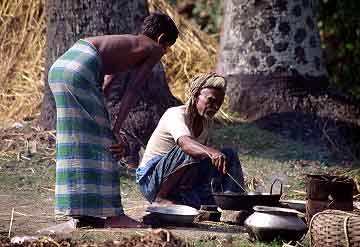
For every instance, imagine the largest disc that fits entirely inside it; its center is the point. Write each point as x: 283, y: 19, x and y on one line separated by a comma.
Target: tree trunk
x: 270, y: 53
x: 270, y: 47
x: 69, y: 21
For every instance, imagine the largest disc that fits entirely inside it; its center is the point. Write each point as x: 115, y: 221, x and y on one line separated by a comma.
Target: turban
x: 199, y: 82
x: 203, y: 81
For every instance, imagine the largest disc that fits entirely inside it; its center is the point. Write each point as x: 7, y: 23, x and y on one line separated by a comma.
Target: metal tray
x: 171, y: 215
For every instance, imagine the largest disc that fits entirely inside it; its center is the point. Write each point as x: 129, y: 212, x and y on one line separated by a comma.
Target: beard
x: 208, y: 114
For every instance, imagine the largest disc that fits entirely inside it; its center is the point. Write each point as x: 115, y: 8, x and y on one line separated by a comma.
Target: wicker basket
x: 334, y: 228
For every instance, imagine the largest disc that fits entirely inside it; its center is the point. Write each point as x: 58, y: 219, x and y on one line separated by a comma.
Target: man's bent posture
x: 87, y: 174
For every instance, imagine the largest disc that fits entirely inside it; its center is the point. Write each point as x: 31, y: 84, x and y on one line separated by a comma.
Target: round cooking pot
x: 245, y: 201
x: 268, y: 223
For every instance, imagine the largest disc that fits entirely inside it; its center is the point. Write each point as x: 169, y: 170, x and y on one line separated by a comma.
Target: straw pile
x: 22, y: 46
x: 22, y: 41
x: 194, y: 51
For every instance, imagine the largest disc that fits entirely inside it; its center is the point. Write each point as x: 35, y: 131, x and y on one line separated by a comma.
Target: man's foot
x: 122, y: 221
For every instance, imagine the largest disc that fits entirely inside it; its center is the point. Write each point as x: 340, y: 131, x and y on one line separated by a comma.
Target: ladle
x: 235, y: 181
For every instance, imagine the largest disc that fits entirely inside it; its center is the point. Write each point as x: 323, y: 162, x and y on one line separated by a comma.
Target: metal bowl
x: 268, y: 223
x: 178, y: 215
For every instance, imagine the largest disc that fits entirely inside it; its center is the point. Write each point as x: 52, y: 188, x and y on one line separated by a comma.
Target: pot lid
x: 276, y: 210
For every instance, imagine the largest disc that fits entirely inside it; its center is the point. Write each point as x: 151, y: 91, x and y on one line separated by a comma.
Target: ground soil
x: 32, y: 215
x: 27, y: 185
x: 159, y: 237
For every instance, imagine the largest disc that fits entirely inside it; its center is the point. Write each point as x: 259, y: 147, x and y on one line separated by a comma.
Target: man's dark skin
x: 124, y: 52
x: 120, y: 53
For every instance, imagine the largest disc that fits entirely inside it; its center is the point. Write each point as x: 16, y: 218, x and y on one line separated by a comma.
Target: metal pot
x: 268, y: 223
x: 245, y: 201
x: 170, y: 215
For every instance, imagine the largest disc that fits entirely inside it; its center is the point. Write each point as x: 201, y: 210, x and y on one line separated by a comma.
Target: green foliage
x: 339, y: 25
x: 209, y: 15
x: 206, y: 13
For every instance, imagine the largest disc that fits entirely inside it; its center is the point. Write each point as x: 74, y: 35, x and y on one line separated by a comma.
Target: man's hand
x: 119, y: 150
x: 108, y: 80
x: 219, y: 160
x: 196, y: 149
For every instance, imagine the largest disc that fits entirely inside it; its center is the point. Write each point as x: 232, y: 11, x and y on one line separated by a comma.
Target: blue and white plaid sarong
x: 194, y: 187
x: 87, y: 175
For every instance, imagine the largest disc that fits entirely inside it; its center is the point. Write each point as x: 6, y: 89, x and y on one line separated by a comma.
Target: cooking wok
x: 245, y: 201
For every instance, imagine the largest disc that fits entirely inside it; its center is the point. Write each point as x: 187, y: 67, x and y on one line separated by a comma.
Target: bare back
x: 123, y: 52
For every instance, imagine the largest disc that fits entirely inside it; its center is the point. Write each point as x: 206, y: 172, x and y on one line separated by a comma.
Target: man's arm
x: 108, y: 80
x: 131, y: 94
x: 193, y: 148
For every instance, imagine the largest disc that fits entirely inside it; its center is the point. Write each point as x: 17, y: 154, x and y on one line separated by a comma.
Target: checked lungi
x: 194, y: 186
x: 87, y: 175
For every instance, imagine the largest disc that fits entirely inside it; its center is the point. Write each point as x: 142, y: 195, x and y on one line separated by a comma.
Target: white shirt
x: 172, y: 125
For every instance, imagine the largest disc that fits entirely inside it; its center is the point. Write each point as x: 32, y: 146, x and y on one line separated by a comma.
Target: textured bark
x: 267, y: 48
x: 270, y: 53
x: 68, y: 21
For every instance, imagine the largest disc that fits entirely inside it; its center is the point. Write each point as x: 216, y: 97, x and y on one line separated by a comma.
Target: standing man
x: 87, y: 174
x: 178, y: 163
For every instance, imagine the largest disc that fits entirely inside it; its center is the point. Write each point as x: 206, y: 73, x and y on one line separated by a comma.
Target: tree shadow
x: 341, y: 138
x: 292, y: 136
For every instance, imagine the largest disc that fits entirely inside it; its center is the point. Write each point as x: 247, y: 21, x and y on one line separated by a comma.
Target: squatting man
x: 178, y: 164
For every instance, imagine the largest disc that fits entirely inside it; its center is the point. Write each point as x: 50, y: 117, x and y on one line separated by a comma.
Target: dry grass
x: 194, y: 51
x: 22, y: 41
x: 22, y: 46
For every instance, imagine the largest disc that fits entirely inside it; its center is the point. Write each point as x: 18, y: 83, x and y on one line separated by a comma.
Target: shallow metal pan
x: 171, y: 215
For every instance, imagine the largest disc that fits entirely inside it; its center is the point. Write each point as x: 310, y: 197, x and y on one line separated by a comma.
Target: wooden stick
x: 11, y: 222
x: 44, y: 188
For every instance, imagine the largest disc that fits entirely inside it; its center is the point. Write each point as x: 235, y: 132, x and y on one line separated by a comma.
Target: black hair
x: 158, y: 23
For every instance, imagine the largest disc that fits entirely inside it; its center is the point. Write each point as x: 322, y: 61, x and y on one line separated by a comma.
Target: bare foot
x: 122, y: 221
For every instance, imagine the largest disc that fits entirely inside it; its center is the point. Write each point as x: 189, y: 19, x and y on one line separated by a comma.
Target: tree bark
x: 270, y: 53
x: 269, y: 48
x: 69, y: 21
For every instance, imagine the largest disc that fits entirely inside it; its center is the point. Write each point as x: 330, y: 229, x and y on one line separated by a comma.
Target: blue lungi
x: 198, y: 172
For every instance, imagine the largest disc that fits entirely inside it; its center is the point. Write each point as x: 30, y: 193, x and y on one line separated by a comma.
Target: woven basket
x: 335, y: 228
